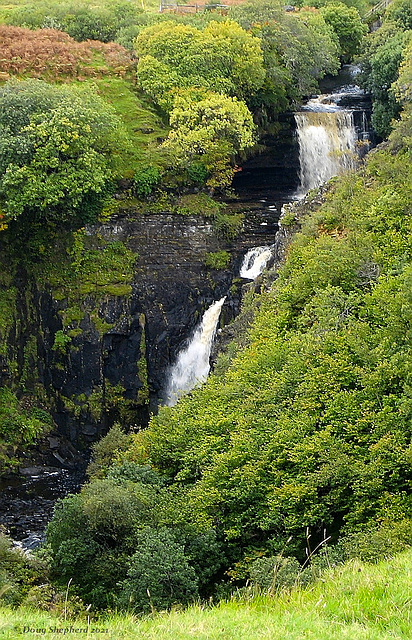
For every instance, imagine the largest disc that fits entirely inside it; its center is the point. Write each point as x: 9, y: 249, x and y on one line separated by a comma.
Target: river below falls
x: 27, y: 501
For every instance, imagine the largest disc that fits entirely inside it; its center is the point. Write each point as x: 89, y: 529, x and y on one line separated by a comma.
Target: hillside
x: 118, y: 147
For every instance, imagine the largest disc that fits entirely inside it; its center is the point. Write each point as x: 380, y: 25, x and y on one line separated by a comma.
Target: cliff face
x: 96, y: 347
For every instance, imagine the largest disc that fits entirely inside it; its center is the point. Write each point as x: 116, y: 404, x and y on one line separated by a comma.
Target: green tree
x: 213, y: 128
x: 298, y: 49
x: 382, y: 55
x: 56, y: 150
x: 348, y: 26
x: 159, y: 574
x: 222, y: 57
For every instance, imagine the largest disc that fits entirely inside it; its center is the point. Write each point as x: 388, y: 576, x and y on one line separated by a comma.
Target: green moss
x: 217, y: 260
x: 74, y: 333
x: 143, y: 393
x: 101, y: 326
x: 227, y: 225
x: 7, y: 314
x: 121, y: 290
x: 90, y: 269
x: 198, y: 204
x: 29, y: 371
x: 61, y: 342
x: 95, y: 404
x: 71, y: 315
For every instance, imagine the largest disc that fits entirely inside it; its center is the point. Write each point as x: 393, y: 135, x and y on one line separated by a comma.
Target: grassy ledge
x: 358, y: 601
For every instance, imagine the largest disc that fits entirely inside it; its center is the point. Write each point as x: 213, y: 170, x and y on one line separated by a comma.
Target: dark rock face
x: 172, y: 288
x: 121, y: 346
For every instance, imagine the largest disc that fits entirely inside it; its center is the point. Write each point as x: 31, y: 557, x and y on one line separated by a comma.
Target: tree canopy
x: 57, y: 147
x: 222, y: 57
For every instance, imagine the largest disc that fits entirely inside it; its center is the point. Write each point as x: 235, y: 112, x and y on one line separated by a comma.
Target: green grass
x: 356, y: 602
x: 144, y: 126
x: 136, y: 113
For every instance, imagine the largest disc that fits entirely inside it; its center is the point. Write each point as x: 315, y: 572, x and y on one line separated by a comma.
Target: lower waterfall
x: 326, y: 146
x: 254, y: 262
x: 192, y: 365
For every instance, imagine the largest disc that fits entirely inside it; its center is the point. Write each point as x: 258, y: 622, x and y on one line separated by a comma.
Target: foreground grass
x: 356, y: 602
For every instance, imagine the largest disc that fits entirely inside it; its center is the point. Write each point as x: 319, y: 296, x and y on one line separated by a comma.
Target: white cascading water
x: 192, y: 365
x: 327, y: 139
x: 254, y: 262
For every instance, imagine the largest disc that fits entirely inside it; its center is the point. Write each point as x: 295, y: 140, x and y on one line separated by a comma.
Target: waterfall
x: 192, y: 365
x: 327, y: 140
x: 254, y: 262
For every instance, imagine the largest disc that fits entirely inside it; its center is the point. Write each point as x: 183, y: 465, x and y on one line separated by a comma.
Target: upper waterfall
x: 192, y: 365
x: 327, y: 141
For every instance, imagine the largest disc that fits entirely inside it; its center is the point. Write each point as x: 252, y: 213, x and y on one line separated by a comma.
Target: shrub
x: 146, y: 180
x: 60, y: 147
x: 19, y: 573
x: 61, y: 342
x: 19, y: 424
x: 217, y: 260
x: 106, y: 450
x: 197, y: 173
x: 275, y: 572
x: 159, y: 574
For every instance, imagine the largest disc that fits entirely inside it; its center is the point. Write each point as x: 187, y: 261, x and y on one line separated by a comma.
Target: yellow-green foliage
x: 217, y: 260
x: 106, y: 451
x: 7, y: 310
x: 21, y: 422
x: 92, y: 268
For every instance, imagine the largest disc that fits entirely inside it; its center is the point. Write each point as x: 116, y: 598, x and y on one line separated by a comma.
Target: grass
x: 356, y: 602
x: 139, y: 117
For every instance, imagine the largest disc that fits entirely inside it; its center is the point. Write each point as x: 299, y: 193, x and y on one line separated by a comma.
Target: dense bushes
x: 123, y: 543
x: 21, y: 575
x: 298, y: 50
x: 306, y: 431
x: 78, y: 19
x: 21, y: 422
x: 309, y: 427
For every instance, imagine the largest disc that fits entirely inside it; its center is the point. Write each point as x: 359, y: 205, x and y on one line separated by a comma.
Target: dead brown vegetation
x: 50, y: 54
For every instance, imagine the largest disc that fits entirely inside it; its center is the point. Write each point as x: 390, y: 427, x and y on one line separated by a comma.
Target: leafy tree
x: 222, y: 57
x: 19, y: 572
x: 213, y: 129
x: 159, y: 574
x: 57, y: 148
x: 125, y: 534
x: 382, y: 55
x: 298, y: 49
x: 310, y: 426
x: 400, y: 13
x: 348, y: 26
x: 93, y: 534
x: 105, y: 451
